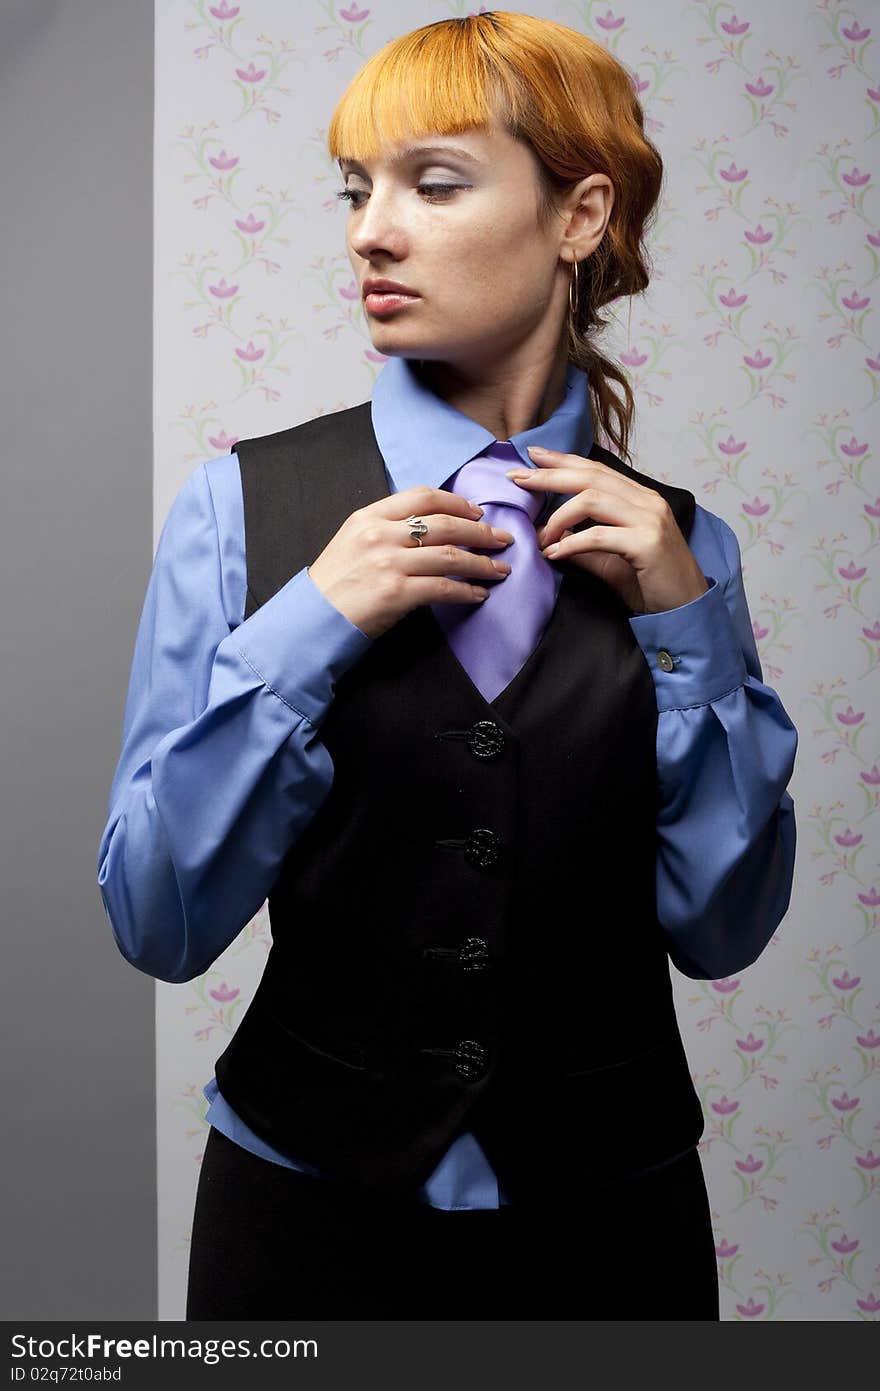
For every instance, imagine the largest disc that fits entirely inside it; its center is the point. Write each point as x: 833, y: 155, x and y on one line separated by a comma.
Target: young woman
x: 487, y: 803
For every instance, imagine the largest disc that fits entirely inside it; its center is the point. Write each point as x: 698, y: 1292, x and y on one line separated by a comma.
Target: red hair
x: 572, y: 102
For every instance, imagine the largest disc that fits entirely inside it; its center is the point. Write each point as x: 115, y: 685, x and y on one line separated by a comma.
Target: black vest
x: 465, y: 937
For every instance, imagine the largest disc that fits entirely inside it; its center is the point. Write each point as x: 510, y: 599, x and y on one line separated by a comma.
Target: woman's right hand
x: 374, y: 572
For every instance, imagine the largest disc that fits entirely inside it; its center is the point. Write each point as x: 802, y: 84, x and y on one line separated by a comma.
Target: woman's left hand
x: 641, y: 552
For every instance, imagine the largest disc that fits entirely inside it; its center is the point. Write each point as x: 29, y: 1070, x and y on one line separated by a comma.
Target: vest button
x: 664, y: 661
x: 485, y: 739
x: 473, y: 954
x: 482, y: 847
x: 470, y: 1059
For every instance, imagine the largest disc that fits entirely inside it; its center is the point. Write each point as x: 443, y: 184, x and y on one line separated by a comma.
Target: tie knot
x: 482, y: 480
x: 501, y: 449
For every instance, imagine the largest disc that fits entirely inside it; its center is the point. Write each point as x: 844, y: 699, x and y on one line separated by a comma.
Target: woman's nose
x: 378, y: 228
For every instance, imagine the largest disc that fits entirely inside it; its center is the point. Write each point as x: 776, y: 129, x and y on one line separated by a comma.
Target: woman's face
x: 486, y: 277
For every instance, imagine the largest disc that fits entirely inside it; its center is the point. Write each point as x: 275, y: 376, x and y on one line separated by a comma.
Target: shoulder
x: 206, y: 494
x: 222, y: 481
x: 190, y: 512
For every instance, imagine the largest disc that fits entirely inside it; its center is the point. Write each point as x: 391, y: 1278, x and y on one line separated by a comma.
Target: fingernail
x: 477, y: 511
x: 516, y: 473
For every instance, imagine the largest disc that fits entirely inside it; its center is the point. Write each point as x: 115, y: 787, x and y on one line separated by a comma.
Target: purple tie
x: 493, y: 638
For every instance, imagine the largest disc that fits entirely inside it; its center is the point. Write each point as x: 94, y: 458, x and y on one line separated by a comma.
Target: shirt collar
x: 424, y: 440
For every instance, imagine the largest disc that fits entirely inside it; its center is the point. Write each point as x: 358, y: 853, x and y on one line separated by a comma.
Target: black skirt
x: 270, y: 1242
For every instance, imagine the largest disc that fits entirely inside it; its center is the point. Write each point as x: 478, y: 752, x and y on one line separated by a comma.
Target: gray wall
x: 78, y: 1153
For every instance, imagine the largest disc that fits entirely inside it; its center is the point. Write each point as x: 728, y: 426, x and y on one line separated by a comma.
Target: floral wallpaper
x: 755, y: 361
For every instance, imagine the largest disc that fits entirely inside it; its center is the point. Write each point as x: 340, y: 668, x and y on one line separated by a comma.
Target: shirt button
x: 664, y: 661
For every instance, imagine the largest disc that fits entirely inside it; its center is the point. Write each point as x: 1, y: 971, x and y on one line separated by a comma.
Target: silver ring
x: 419, y: 528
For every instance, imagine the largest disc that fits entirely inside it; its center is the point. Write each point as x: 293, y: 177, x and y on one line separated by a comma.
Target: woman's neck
x: 505, y: 405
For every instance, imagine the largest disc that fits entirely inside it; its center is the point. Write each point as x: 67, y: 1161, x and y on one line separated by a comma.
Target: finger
x: 621, y: 540
x: 454, y: 561
x: 416, y: 501
x: 429, y: 590
x: 592, y: 471
x: 444, y: 529
x: 571, y: 479
x: 592, y: 503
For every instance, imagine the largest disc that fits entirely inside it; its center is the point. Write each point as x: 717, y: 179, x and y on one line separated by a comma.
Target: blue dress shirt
x: 222, y: 766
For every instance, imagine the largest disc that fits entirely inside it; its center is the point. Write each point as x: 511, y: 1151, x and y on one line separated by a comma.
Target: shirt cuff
x: 692, y: 651
x: 300, y: 644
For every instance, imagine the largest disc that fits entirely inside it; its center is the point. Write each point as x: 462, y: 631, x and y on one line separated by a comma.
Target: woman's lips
x: 386, y: 301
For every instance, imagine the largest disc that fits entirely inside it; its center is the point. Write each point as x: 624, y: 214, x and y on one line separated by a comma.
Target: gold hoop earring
x: 573, y: 286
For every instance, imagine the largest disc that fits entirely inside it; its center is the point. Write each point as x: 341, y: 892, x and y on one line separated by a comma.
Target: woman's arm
x: 221, y: 767
x: 725, y: 754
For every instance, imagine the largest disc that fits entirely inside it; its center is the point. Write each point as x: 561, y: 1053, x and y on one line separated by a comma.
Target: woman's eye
x: 431, y: 189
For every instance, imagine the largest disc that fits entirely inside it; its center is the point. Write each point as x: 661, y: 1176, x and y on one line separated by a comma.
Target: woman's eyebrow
x: 412, y: 150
